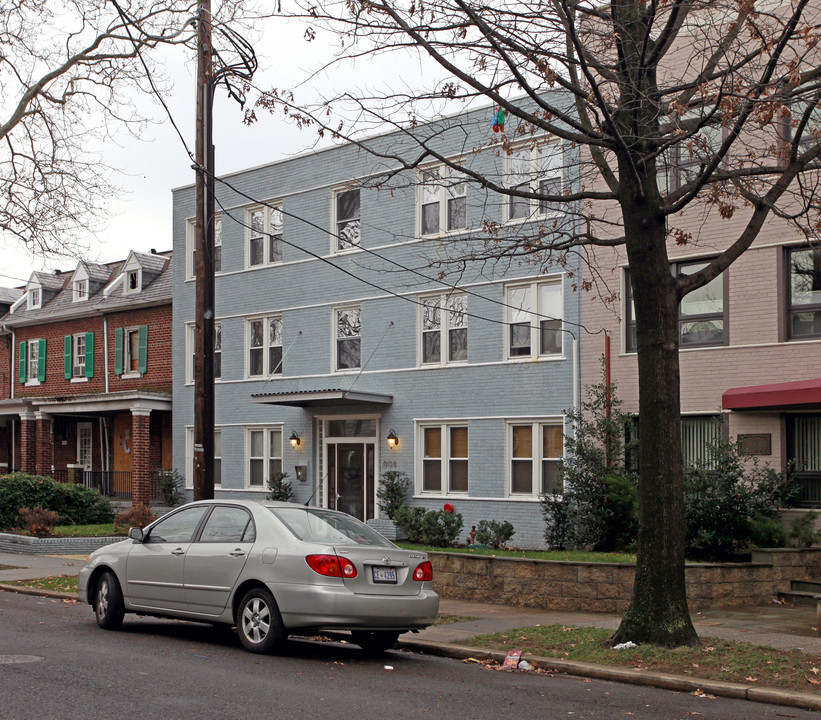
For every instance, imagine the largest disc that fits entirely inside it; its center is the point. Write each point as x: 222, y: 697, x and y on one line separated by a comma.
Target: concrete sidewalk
x: 776, y: 625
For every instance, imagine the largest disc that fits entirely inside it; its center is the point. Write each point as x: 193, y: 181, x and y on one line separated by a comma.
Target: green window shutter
x: 118, y: 351
x: 68, y: 365
x: 89, y: 354
x: 23, y: 358
x: 41, y: 362
x: 142, y: 361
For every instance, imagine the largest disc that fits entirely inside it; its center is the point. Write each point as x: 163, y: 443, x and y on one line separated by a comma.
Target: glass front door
x: 351, y: 478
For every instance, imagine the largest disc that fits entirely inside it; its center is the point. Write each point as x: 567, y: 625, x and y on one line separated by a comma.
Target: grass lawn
x: 716, y: 659
x: 103, y: 530
x: 568, y: 555
x: 60, y: 583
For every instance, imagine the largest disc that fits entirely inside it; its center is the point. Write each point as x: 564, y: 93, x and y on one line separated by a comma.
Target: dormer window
x: 34, y: 298
x: 80, y: 290
x: 133, y: 281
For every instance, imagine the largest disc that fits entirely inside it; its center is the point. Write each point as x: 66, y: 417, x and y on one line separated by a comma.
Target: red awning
x: 791, y: 394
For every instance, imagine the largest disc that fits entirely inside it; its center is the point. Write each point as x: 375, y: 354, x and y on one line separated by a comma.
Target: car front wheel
x: 374, y: 642
x: 259, y: 624
x: 108, y: 602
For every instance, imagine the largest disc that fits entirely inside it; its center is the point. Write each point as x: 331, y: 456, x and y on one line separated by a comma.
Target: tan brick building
x: 86, y: 376
x: 750, y: 344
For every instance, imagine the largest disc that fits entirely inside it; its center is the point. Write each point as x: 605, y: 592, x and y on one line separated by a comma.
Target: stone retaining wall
x: 52, y: 546
x: 607, y: 587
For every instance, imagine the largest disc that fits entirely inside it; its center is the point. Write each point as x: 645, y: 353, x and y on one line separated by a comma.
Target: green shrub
x: 137, y: 516
x: 494, y: 533
x: 409, y: 521
x: 767, y: 532
x: 77, y: 505
x: 728, y: 497
x: 171, y: 485
x: 392, y: 492
x: 802, y: 530
x: 278, y: 489
x: 598, y: 508
x: 440, y: 528
x: 37, y: 521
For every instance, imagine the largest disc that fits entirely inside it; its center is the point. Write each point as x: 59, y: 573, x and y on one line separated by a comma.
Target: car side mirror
x: 137, y: 534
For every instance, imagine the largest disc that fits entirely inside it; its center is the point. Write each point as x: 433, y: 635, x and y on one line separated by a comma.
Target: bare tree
x: 70, y: 71
x: 676, y: 109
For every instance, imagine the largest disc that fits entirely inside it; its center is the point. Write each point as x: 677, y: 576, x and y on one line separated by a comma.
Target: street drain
x: 18, y: 659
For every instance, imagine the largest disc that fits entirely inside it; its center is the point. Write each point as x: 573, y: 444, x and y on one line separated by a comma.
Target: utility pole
x: 204, y: 265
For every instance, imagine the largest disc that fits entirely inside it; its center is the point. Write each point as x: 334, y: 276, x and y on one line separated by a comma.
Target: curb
x: 663, y: 681
x: 23, y: 590
x: 805, y: 701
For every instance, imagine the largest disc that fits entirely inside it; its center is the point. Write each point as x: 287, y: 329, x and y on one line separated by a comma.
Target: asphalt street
x: 56, y: 663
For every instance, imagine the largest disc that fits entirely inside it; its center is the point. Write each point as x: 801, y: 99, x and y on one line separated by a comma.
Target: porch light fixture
x: 393, y: 441
x: 295, y: 441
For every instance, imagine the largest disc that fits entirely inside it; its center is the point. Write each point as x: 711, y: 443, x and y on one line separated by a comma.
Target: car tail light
x: 331, y: 566
x: 423, y: 572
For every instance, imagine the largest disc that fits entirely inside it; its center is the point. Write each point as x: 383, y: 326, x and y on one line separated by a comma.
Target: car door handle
x: 178, y: 551
x: 237, y: 553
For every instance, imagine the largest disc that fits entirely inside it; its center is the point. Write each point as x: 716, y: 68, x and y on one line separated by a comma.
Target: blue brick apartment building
x: 336, y: 333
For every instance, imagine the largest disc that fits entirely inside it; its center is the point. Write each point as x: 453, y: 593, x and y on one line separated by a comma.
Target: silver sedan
x: 269, y: 568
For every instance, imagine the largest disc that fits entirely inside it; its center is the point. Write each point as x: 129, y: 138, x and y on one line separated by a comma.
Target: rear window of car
x: 316, y: 525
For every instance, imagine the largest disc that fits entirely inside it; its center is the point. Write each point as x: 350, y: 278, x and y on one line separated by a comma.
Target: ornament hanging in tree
x: 499, y: 121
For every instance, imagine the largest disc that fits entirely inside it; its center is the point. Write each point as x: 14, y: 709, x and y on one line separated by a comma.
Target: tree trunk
x: 658, y: 611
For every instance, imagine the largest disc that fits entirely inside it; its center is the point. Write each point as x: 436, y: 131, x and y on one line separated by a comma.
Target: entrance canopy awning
x: 322, y: 398
x: 803, y: 393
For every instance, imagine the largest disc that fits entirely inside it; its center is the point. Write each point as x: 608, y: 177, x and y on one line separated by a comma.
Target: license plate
x: 384, y: 575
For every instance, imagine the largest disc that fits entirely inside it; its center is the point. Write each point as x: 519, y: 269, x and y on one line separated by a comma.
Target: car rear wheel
x: 374, y: 641
x: 259, y: 624
x: 108, y: 602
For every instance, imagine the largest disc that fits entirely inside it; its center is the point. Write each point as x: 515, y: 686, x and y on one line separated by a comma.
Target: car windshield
x: 316, y: 525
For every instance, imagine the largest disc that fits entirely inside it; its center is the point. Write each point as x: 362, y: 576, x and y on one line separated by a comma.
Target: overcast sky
x: 158, y: 162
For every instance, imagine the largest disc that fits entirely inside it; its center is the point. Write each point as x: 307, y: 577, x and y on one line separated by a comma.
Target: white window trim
x: 34, y: 380
x: 335, y: 249
x: 445, y: 172
x: 334, y: 338
x: 34, y: 304
x: 266, y: 371
x: 128, y: 373
x: 536, y: 458
x: 190, y: 349
x: 535, y: 344
x: 535, y: 213
x: 133, y: 291
x: 444, y: 426
x: 78, y: 294
x: 266, y: 458
x: 74, y: 366
x: 267, y: 210
x: 444, y: 330
x: 189, y: 457
x: 190, y: 246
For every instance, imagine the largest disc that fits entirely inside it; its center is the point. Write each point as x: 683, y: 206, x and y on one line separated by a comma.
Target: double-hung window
x: 535, y: 454
x: 191, y: 344
x: 191, y: 248
x: 34, y: 299
x: 804, y: 293
x: 263, y: 449
x: 347, y: 224
x: 131, y: 350
x: 348, y: 338
x: 32, y: 361
x: 535, y: 311
x: 442, y: 201
x: 217, y: 243
x: 444, y: 461
x: 535, y: 169
x: 264, y: 236
x: 79, y: 356
x: 444, y: 328
x: 189, y: 457
x: 700, y: 315
x: 80, y: 290
x: 264, y: 346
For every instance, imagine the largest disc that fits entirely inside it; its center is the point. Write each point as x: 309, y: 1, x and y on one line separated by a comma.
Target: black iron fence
x: 115, y: 484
